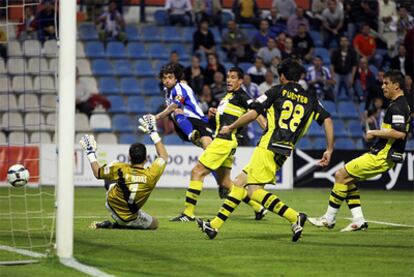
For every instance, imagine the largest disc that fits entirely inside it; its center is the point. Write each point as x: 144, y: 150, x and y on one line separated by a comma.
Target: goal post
x: 66, y: 130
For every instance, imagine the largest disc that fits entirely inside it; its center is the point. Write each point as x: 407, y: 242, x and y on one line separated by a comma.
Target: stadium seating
x: 132, y: 33
x: 339, y: 129
x: 95, y: 49
x: 100, y: 123
x: 102, y: 67
x: 172, y: 140
x: 123, y: 68
x: 344, y: 143
x: 144, y: 69
x: 106, y: 138
x: 324, y: 53
x: 150, y: 33
x: 117, y: 104
x: 316, y: 37
x: 128, y: 138
x: 160, y: 17
x: 116, y: 50
x: 347, y: 109
x: 28, y: 102
x: 34, y: 121
x: 136, y: 50
x: 305, y: 144
x: 108, y: 85
x: 130, y: 86
x: 40, y: 137
x: 123, y: 123
x: 8, y: 102
x: 87, y: 31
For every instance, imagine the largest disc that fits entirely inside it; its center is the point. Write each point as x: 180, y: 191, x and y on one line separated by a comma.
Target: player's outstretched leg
x: 353, y: 199
x: 272, y: 203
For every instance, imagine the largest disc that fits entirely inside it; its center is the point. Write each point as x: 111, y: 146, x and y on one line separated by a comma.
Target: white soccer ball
x: 18, y: 175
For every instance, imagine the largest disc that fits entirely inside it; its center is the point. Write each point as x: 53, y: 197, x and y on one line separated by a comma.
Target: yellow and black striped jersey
x: 231, y: 107
x: 133, y: 186
x: 397, y: 117
x: 289, y: 112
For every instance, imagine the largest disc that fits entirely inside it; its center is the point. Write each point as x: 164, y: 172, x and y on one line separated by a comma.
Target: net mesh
x: 28, y: 98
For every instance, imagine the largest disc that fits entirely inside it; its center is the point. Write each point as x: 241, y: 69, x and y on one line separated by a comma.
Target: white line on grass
x: 385, y: 223
x: 90, y: 270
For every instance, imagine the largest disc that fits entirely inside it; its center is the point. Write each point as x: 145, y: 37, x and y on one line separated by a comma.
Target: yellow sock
x: 191, y: 197
x: 353, y: 199
x: 273, y: 203
x: 338, y: 195
x: 230, y: 204
x: 254, y: 204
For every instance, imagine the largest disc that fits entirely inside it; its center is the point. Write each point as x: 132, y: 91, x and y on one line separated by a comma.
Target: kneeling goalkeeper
x: 133, y: 183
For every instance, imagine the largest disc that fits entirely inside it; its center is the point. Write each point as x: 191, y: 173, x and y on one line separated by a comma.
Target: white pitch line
x: 90, y: 270
x: 385, y: 223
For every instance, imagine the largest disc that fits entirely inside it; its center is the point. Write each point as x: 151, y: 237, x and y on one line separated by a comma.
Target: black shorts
x: 199, y: 125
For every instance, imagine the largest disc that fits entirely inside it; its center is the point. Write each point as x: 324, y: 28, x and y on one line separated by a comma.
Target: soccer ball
x: 18, y: 175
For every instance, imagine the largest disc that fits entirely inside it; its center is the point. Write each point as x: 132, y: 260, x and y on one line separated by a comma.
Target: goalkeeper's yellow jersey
x: 133, y: 186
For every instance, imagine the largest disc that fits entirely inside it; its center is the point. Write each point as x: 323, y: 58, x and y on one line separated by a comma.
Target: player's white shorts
x: 143, y: 220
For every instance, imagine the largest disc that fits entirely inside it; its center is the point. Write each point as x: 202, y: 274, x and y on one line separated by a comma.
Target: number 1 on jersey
x: 291, y: 113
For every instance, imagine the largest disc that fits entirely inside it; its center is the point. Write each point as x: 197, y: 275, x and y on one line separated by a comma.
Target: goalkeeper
x: 133, y: 183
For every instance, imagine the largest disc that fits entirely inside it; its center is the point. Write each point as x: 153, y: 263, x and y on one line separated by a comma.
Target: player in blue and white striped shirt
x: 184, y: 107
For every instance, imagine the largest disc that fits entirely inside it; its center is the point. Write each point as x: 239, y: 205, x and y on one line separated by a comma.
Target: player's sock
x: 272, y: 203
x: 338, y: 195
x: 184, y: 124
x: 254, y: 204
x: 353, y: 200
x: 191, y: 197
x: 230, y: 204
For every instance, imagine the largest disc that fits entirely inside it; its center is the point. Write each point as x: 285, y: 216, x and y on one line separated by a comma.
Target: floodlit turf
x: 243, y: 247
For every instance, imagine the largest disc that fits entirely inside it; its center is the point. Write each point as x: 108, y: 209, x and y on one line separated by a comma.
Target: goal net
x: 28, y: 68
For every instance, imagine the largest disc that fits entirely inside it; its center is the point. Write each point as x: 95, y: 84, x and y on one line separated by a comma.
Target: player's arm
x: 167, y: 111
x: 88, y: 144
x: 385, y: 134
x: 397, y: 128
x: 240, y: 122
x: 323, y: 117
x: 148, y: 125
x: 262, y: 121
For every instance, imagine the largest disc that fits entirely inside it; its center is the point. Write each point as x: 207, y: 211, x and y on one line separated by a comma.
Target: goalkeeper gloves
x: 148, y: 125
x: 88, y: 144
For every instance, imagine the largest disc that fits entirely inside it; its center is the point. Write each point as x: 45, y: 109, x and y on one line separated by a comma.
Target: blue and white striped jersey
x: 182, y: 95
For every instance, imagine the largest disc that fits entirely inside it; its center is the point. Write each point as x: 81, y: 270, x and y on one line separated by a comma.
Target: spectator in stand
x: 3, y: 44
x: 370, y: 9
x: 268, y: 82
x: 203, y: 41
x: 111, y: 24
x: 194, y: 75
x: 251, y: 88
x: 234, y: 42
x: 94, y: 8
x: 257, y: 71
x: 404, y: 24
x: 402, y: 62
x: 363, y: 80
x: 209, y: 10
x: 365, y: 45
x: 387, y: 10
x: 276, y: 25
x: 218, y: 87
x: 332, y: 20
x: 86, y: 99
x: 320, y: 80
x: 289, y: 51
x: 344, y: 64
x: 295, y: 20
x: 285, y: 7
x: 213, y: 66
x: 45, y: 21
x: 261, y: 37
x: 303, y: 44
x: 355, y: 17
x: 280, y: 41
x: 207, y: 100
x: 318, y: 6
x: 179, y: 12
x: 409, y: 45
x: 375, y: 115
x: 175, y: 59
x: 274, y: 69
x: 373, y: 90
x: 246, y: 11
x: 27, y: 25
x: 269, y: 52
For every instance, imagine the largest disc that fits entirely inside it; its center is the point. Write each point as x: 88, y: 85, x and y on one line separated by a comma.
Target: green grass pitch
x: 243, y: 247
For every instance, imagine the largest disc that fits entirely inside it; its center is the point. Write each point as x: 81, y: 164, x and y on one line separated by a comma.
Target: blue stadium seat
x: 87, y: 31
x: 128, y: 138
x: 136, y: 104
x: 227, y: 66
x: 355, y: 129
x: 181, y: 50
x: 144, y: 69
x: 157, y: 51
x: 123, y: 123
x: 136, y: 50
x: 155, y: 102
x: 315, y: 130
x: 117, y: 104
x: 304, y: 143
x: 94, y: 49
x: 339, y: 129
x: 102, y: 67
x: 116, y: 50
x: 316, y: 37
x: 172, y: 34
x: 188, y: 33
x: 130, y: 86
x: 324, y: 53
x: 360, y: 145
x: 319, y: 143
x: 108, y: 85
x: 172, y: 140
x: 245, y: 66
x: 145, y: 140
x: 410, y: 144
x: 344, y: 143
x: 330, y: 107
x: 347, y: 109
x: 160, y: 17
x: 123, y: 68
x: 150, y: 33
x: 151, y: 87
x: 217, y: 35
x: 132, y: 33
